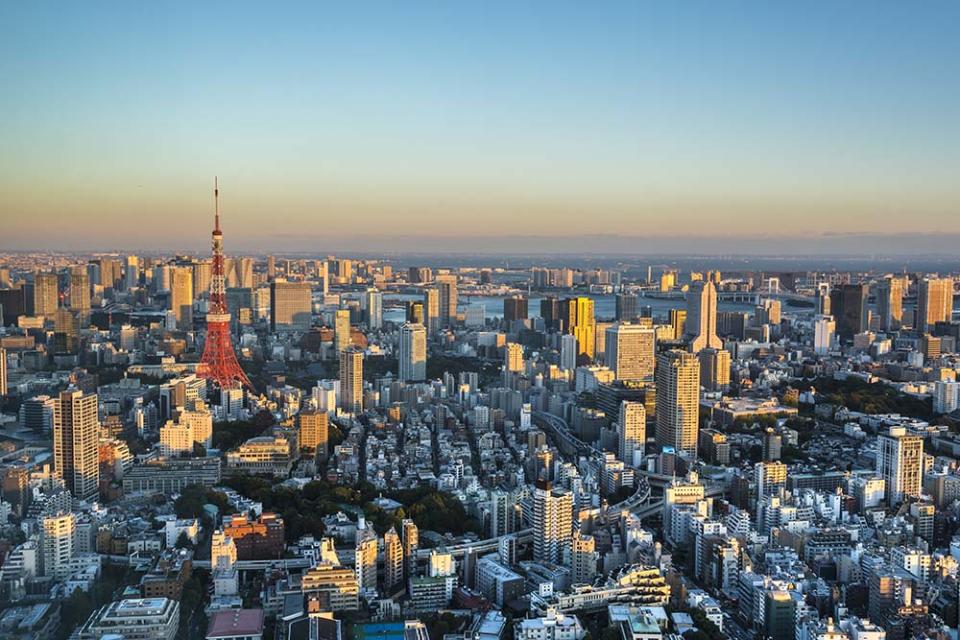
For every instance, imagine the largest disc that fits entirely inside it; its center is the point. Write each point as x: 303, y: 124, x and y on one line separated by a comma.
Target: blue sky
x: 475, y: 119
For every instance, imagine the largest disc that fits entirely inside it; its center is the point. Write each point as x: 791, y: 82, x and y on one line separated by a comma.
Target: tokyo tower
x: 219, y: 362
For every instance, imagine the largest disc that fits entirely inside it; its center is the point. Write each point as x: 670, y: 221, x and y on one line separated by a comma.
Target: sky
x: 627, y: 126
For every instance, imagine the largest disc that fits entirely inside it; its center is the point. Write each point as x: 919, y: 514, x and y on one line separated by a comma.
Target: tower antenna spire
x: 216, y: 204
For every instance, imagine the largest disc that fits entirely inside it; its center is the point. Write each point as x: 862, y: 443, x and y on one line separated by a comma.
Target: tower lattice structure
x: 219, y: 362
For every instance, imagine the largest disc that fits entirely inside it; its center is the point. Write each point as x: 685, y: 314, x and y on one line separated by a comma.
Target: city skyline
x: 448, y: 128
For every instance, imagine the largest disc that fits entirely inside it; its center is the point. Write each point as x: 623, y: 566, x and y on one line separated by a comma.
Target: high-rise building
x: 45, y: 294
x: 447, y: 283
x: 552, y: 522
x: 410, y: 535
x: 76, y: 433
x: 413, y: 352
x: 290, y: 306
x: 513, y: 357
x: 80, y: 292
x: 341, y: 330
x: 678, y: 401
x: 202, y: 276
x: 890, y: 303
x: 374, y: 308
x: 583, y: 558
x: 934, y: 302
x: 181, y: 296
x: 431, y: 309
x: 502, y: 506
x: 701, y: 324
x: 823, y: 299
x: 631, y: 351
x: 415, y: 314
x: 632, y: 431
x: 3, y: 372
x: 568, y: 352
x: 515, y: 308
x: 577, y: 319
x: 314, y: 431
x: 823, y: 330
x: 848, y: 303
x: 366, y: 559
x: 351, y: 380
x: 626, y: 307
x: 57, y: 537
x: 392, y: 562
x: 714, y: 369
x: 900, y: 464
x: 271, y: 268
x: 131, y: 275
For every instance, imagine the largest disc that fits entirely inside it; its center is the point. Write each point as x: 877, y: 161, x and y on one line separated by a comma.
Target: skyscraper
x: 431, y: 308
x: 131, y: 276
x: 365, y: 556
x: 626, y: 309
x: 823, y: 330
x: 848, y: 302
x: 632, y: 430
x: 80, y: 292
x: 413, y: 352
x: 290, y: 306
x: 351, y: 380
x: 181, y: 296
x: 515, y: 308
x: 631, y: 351
x: 678, y: 401
x: 76, y: 433
x: 552, y: 522
x: 410, y: 536
x: 900, y: 464
x: 374, y: 308
x: 314, y: 432
x: 392, y: 562
x: 577, y: 319
x: 45, y: 294
x: 447, y: 283
x: 568, y: 352
x: 934, y: 302
x: 701, y: 323
x: 341, y: 330
x: 513, y: 357
x: 890, y: 303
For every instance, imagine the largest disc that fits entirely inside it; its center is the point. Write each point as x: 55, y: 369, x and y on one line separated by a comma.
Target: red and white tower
x: 219, y: 362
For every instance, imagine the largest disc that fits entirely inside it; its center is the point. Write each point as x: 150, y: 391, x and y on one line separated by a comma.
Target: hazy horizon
x: 413, y: 124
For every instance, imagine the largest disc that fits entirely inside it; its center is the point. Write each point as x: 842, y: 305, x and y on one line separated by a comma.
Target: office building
x: 314, y: 431
x: 632, y: 431
x: 341, y: 330
x: 351, y: 380
x: 900, y: 464
x: 701, y: 322
x: 374, y: 309
x: 413, y: 353
x: 513, y: 358
x: 447, y: 284
x: 181, y: 297
x: 678, y: 401
x: 824, y: 328
x: 934, y: 302
x: 890, y: 303
x: 626, y: 307
x: 714, y: 369
x: 552, y: 522
x: 3, y: 372
x: 848, y: 303
x: 290, y: 306
x: 631, y: 351
x: 577, y: 319
x: 568, y: 352
x: 76, y: 433
x: 515, y: 308
x: 45, y: 294
x: 431, y: 309
x: 134, y: 618
x: 80, y: 292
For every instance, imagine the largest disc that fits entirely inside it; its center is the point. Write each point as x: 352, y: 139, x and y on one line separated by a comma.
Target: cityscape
x: 441, y: 378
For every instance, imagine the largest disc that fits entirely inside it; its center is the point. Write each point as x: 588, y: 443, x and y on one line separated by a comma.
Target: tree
x: 184, y: 541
